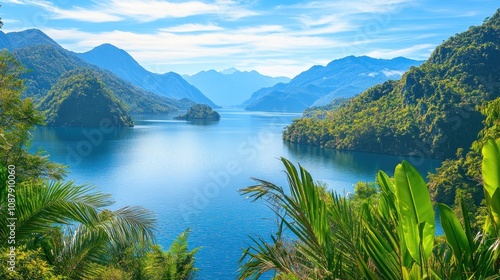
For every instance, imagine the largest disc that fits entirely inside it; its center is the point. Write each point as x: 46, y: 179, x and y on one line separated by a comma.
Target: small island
x: 199, y: 112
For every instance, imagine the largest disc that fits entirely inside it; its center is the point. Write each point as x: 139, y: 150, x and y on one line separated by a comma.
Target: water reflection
x: 361, y: 163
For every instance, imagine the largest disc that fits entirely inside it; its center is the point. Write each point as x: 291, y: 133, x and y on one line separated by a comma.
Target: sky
x: 276, y: 38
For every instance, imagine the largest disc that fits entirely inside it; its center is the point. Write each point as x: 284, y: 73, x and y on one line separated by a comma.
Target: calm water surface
x: 189, y: 174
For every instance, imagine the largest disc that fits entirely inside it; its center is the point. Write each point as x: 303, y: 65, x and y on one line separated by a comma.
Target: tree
x: 17, y: 117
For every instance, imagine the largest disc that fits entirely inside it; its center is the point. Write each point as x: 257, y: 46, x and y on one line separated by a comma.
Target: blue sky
x: 272, y: 37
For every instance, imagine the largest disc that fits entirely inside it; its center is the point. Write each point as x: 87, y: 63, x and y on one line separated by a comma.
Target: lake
x: 189, y: 174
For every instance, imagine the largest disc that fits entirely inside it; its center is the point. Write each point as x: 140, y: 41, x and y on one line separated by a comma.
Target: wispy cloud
x: 191, y: 27
x: 140, y: 10
x: 175, y: 35
x: 349, y: 7
x: 420, y: 51
x: 393, y: 73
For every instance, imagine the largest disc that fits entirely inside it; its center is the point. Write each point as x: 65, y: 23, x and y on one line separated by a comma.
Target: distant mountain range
x: 319, y: 85
x: 231, y: 87
x: 118, y: 61
x: 47, y: 62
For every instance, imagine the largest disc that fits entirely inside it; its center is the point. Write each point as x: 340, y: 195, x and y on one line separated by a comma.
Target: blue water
x: 189, y: 174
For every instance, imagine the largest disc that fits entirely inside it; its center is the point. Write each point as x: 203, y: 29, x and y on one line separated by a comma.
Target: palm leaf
x: 416, y: 212
x: 491, y: 178
x: 82, y: 247
x: 41, y: 205
x: 455, y: 235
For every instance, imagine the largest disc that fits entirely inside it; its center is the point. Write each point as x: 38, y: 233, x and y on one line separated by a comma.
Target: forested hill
x: 430, y: 112
x: 46, y: 64
x: 81, y: 99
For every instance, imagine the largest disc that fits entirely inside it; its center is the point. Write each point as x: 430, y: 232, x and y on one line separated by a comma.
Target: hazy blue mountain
x: 30, y: 37
x: 118, y: 61
x: 319, y: 85
x: 48, y: 62
x: 231, y: 86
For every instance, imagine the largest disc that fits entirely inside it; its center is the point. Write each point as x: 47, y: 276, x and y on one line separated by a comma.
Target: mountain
x: 319, y: 85
x: 79, y: 98
x: 231, y: 87
x: 118, y: 61
x: 30, y: 37
x: 432, y: 111
x: 47, y: 62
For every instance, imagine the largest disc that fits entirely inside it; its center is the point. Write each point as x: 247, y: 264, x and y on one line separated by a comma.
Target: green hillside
x: 81, y: 99
x: 47, y: 63
x: 433, y: 110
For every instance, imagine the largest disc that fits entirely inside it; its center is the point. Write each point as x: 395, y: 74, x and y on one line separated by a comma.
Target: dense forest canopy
x: 81, y: 99
x: 433, y: 110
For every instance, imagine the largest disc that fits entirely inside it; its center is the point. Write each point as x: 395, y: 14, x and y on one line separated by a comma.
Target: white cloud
x: 10, y: 21
x: 141, y: 10
x: 420, y: 51
x: 263, y: 44
x: 191, y: 27
x: 371, y: 74
x: 393, y: 73
x: 349, y: 7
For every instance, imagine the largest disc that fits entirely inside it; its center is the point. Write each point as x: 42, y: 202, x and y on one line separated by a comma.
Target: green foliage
x: 30, y: 264
x: 305, y: 214
x: 175, y: 264
x: 391, y: 239
x: 430, y: 112
x: 461, y: 177
x: 81, y: 99
x: 364, y: 193
x: 491, y: 178
x: 200, y: 112
x: 415, y: 208
x: 322, y: 112
x: 17, y: 117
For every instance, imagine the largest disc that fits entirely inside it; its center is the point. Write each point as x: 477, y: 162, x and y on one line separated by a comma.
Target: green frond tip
x: 491, y: 178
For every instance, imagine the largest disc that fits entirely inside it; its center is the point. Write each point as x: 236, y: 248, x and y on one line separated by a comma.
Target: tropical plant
x: 175, y: 264
x: 30, y: 264
x: 392, y: 237
x: 316, y: 251
x: 67, y: 221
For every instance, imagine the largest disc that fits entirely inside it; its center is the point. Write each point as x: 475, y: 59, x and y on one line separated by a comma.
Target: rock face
x: 200, y: 112
x: 81, y: 99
